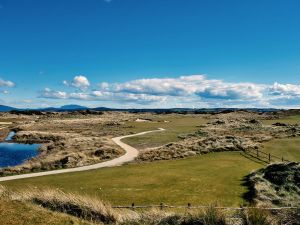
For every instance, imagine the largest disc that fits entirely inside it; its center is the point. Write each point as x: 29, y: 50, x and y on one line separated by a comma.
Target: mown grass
x: 176, y: 125
x: 289, y: 148
x: 289, y: 119
x: 215, y: 177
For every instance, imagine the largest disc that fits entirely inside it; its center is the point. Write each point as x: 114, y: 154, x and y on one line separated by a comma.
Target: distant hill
x: 64, y: 108
x: 73, y: 107
x: 4, y: 108
x: 105, y: 109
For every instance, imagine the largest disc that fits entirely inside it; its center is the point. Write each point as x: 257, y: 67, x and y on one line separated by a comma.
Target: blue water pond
x: 12, y: 154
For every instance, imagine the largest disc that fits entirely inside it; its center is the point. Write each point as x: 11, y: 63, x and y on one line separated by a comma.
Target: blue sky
x: 150, y: 53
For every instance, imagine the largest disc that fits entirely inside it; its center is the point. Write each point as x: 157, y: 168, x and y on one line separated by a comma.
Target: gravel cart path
x: 130, y: 155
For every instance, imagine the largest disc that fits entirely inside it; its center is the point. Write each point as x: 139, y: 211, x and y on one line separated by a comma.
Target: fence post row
x: 189, y: 205
x: 269, y: 156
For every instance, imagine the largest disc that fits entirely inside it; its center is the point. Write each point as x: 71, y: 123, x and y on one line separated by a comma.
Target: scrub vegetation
x: 200, y: 159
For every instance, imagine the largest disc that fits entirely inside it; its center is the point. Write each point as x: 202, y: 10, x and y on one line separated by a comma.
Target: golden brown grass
x: 94, y: 211
x: 84, y: 207
x: 16, y: 212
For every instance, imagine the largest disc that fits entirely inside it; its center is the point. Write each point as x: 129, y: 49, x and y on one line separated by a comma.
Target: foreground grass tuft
x: 210, y: 216
x: 255, y: 217
x: 213, y: 216
x: 84, y: 207
x: 16, y: 212
x: 94, y: 211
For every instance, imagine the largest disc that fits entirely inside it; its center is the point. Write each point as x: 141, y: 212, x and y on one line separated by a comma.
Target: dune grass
x: 176, y: 125
x: 215, y: 177
x: 20, y: 213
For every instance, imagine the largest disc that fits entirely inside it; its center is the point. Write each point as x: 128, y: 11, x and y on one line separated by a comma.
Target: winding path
x: 130, y: 155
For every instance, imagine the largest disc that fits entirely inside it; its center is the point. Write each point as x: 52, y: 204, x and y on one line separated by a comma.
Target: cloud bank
x: 185, y: 91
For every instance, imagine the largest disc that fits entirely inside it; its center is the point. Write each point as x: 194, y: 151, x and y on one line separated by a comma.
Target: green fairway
x: 289, y: 148
x: 176, y: 125
x: 289, y: 119
x: 215, y: 177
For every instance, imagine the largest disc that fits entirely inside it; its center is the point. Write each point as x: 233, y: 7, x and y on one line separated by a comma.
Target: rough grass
x: 16, y: 212
x: 256, y: 217
x: 19, y: 213
x: 84, y: 207
x: 276, y: 185
x: 209, y: 216
x: 215, y: 177
x: 94, y: 211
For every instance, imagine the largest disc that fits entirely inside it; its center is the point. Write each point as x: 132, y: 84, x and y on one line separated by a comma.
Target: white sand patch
x: 142, y: 120
x: 5, y: 123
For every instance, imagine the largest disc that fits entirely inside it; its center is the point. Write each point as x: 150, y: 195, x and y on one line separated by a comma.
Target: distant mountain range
x: 66, y: 108
x: 4, y: 108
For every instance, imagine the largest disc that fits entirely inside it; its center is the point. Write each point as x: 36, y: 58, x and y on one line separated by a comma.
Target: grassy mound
x: 39, y: 202
x: 277, y: 184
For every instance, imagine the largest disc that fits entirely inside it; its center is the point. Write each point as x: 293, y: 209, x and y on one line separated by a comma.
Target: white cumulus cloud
x: 285, y: 89
x: 81, y: 82
x: 197, y: 85
x: 48, y: 93
x: 6, y: 83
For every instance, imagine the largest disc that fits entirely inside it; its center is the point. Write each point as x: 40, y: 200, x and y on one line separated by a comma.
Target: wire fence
x: 233, y: 214
x: 265, y: 156
x: 163, y: 206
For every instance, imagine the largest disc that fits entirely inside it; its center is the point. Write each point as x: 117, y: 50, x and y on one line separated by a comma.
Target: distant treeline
x: 99, y: 111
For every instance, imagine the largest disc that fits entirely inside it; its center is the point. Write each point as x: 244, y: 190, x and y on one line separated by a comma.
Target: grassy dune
x: 19, y: 213
x: 215, y: 177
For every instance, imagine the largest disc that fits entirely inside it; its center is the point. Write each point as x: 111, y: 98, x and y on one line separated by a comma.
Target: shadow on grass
x: 254, y: 158
x: 249, y: 195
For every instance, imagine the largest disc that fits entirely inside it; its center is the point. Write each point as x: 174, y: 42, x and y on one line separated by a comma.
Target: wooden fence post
x: 189, y: 205
x: 161, y: 206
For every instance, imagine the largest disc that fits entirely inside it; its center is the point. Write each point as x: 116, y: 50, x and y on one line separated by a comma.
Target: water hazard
x: 12, y: 154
